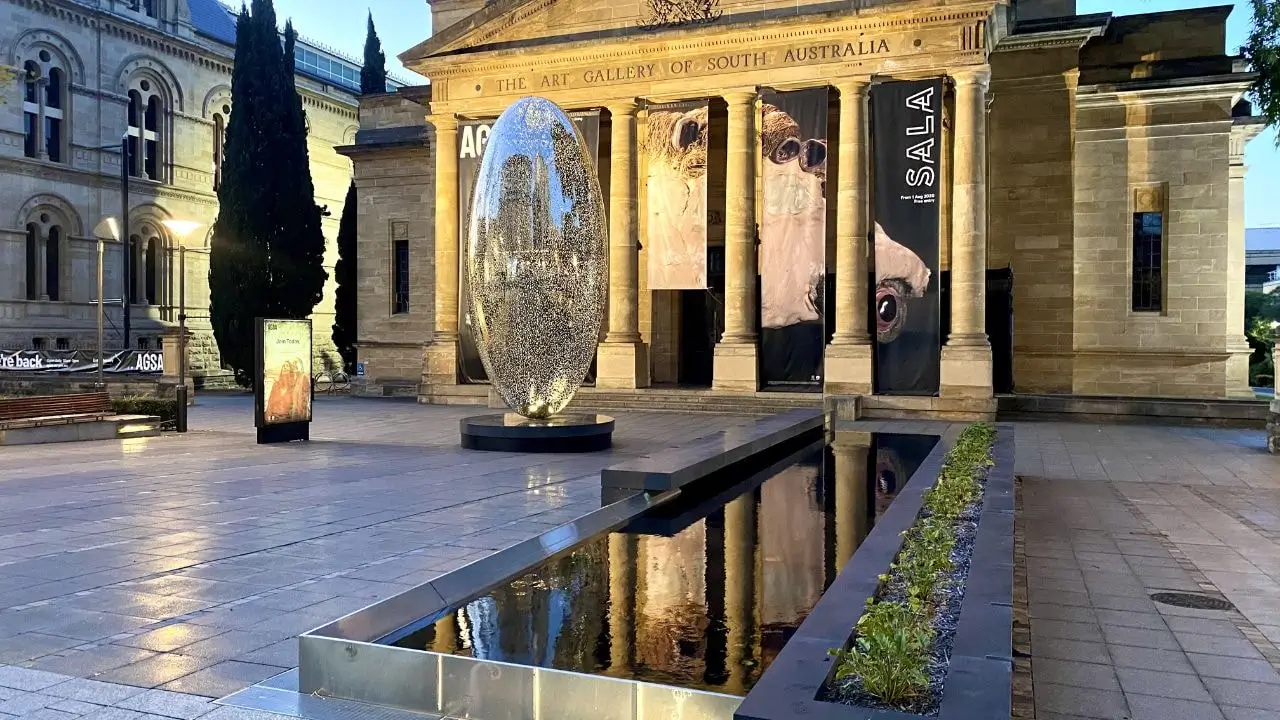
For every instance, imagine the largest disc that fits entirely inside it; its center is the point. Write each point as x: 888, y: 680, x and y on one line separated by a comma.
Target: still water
x: 702, y: 592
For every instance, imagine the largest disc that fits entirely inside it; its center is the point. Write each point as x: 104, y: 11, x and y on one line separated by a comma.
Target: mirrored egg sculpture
x: 537, y: 258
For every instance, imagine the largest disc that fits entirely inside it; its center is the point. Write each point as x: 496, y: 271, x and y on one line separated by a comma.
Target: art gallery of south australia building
x: 924, y: 207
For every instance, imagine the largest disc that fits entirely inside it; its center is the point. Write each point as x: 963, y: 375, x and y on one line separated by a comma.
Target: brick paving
x: 189, y: 564
x: 1114, y: 514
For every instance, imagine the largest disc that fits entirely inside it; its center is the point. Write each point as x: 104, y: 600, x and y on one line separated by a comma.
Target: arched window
x: 33, y: 261
x: 219, y: 136
x: 31, y: 108
x: 44, y: 105
x: 151, y: 267
x: 52, y: 264
x: 146, y: 120
x: 149, y: 8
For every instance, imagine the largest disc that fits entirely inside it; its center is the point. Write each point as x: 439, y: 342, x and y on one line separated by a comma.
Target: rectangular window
x: 400, y: 257
x: 62, y: 344
x: 1148, y: 262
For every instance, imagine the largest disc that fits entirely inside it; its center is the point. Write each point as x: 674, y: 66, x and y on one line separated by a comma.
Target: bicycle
x: 328, y: 383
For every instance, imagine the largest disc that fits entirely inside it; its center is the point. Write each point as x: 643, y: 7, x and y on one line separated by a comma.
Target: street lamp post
x: 125, y: 244
x: 105, y: 229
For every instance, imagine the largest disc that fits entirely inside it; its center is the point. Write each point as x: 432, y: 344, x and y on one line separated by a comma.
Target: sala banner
x: 472, y: 137
x: 793, y: 237
x: 907, y: 141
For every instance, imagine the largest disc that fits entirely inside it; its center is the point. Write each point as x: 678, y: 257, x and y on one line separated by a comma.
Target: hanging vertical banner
x: 907, y: 142
x: 793, y: 246
x: 472, y: 137
x: 676, y: 149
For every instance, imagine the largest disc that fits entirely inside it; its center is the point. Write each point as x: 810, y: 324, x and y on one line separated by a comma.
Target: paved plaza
x: 146, y: 578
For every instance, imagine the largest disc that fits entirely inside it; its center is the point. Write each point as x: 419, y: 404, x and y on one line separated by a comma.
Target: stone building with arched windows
x: 157, y: 72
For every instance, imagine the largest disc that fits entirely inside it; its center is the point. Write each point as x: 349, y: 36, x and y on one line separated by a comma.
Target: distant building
x: 1262, y: 259
x: 90, y: 72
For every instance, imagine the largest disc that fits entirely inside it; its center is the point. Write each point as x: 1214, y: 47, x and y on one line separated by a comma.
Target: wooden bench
x: 71, y: 406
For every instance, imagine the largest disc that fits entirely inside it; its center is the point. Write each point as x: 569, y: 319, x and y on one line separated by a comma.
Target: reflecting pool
x: 702, y: 592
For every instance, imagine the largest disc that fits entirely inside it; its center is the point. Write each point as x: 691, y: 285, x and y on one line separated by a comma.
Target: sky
x: 402, y: 24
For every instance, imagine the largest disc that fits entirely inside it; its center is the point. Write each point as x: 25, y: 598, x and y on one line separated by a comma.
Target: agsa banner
x: 472, y: 137
x: 675, y: 146
x: 143, y: 362
x: 793, y: 235
x: 907, y: 142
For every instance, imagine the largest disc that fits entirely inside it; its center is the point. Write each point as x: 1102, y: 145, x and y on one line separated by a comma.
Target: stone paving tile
x: 168, y: 704
x: 223, y: 679
x: 1124, y: 507
x: 92, y: 691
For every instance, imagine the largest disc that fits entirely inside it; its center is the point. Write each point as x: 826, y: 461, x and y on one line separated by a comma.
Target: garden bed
x: 919, y: 622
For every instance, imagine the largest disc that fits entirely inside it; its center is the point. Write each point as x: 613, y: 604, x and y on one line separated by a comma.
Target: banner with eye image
x: 793, y: 233
x: 906, y: 145
x: 472, y: 137
x: 675, y: 146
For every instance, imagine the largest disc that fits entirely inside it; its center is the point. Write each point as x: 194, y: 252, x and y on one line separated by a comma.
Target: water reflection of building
x: 707, y: 607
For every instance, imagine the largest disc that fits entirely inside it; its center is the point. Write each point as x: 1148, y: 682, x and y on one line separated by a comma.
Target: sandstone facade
x: 180, y: 51
x: 1060, y: 132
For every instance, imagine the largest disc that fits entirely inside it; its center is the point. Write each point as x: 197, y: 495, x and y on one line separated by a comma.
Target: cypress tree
x: 344, y: 316
x: 267, y: 248
x: 373, y: 75
x: 373, y: 79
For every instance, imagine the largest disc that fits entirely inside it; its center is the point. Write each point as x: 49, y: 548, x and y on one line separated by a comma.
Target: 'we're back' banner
x: 145, y: 362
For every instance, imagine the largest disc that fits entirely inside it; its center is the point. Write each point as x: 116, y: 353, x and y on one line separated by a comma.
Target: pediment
x: 510, y: 24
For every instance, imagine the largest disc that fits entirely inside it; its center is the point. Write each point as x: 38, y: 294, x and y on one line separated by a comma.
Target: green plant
x: 1262, y: 50
x: 164, y: 408
x: 891, y: 649
x: 891, y: 652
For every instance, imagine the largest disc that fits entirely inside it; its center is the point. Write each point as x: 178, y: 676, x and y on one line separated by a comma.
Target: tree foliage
x: 1259, y: 312
x: 267, y: 251
x: 1263, y: 52
x: 373, y: 74
x: 344, y: 316
x: 7, y: 76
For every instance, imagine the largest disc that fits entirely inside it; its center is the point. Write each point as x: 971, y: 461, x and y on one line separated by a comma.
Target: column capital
x: 973, y: 75
x: 443, y: 122
x: 623, y: 106
x: 743, y: 96
x: 854, y: 86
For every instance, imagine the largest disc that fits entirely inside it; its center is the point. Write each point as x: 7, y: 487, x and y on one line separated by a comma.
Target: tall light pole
x: 107, y: 229
x: 125, y: 161
x: 180, y: 229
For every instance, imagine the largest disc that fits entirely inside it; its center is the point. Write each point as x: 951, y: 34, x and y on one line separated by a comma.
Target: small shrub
x: 164, y: 408
x: 891, y: 653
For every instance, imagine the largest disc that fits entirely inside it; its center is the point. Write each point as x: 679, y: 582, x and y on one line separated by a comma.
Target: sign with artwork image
x: 282, y: 393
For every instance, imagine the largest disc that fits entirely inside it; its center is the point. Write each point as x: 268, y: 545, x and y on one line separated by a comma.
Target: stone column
x: 623, y: 358
x: 735, y: 368
x: 739, y: 587
x: 440, y: 367
x: 848, y: 358
x: 42, y: 150
x: 852, y: 522
x: 1237, y: 378
x: 966, y: 358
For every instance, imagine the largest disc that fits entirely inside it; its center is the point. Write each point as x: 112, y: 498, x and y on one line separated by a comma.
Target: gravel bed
x: 948, y: 598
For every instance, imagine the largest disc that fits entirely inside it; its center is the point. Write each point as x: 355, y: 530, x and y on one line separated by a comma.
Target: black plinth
x: 566, y: 433
x: 284, y: 432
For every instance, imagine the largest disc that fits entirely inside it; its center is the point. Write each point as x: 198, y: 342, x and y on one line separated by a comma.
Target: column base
x: 439, y: 365
x: 736, y: 368
x: 966, y: 371
x: 622, y: 366
x: 847, y: 370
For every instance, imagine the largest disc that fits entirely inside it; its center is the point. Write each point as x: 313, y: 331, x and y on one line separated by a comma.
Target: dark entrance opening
x: 702, y: 323
x: 999, y: 324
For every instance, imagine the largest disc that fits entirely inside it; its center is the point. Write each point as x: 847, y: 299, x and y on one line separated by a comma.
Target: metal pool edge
x: 979, y: 681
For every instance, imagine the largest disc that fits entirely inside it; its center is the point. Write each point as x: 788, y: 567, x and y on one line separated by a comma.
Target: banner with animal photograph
x: 282, y: 393
x: 907, y: 146
x: 472, y: 137
x: 675, y: 146
x: 793, y: 231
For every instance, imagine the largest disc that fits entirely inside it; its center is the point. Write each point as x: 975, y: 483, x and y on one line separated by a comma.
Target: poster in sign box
x: 282, y: 393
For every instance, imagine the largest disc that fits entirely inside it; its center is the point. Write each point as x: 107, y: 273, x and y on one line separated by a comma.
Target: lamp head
x: 107, y: 229
x: 180, y: 228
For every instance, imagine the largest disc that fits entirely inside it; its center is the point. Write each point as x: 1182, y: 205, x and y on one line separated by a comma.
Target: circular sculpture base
x: 566, y: 433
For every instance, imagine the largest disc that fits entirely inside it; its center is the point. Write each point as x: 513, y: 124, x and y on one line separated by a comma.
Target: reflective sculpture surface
x: 537, y: 258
